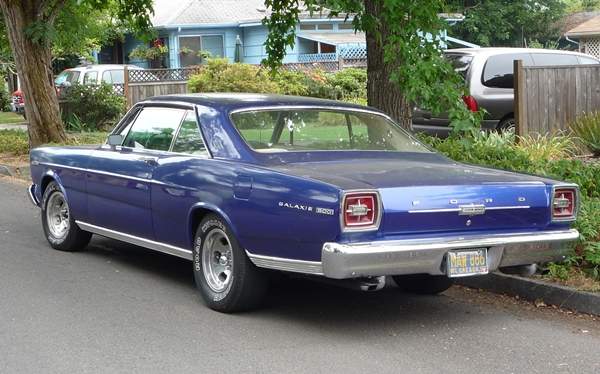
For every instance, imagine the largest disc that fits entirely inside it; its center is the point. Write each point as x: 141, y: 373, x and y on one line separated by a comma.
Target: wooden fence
x: 547, y: 97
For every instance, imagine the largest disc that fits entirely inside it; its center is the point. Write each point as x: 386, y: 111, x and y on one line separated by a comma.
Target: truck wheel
x: 507, y: 124
x: 58, y: 223
x: 226, y: 278
x: 423, y: 284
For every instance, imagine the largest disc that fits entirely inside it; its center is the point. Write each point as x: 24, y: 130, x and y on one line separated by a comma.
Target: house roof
x: 336, y: 38
x: 172, y: 13
x: 591, y: 27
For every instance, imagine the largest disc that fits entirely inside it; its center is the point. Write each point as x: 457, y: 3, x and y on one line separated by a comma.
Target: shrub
x: 221, y: 76
x: 553, y: 147
x: 14, y: 142
x: 290, y: 83
x: 5, y: 99
x: 349, y: 83
x: 587, y: 129
x: 94, y: 106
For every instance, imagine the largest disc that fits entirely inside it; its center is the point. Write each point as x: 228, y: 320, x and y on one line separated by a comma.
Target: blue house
x: 188, y: 27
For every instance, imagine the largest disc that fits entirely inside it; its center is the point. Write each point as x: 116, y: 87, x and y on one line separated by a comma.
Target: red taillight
x: 564, y: 204
x: 361, y: 211
x: 471, y: 103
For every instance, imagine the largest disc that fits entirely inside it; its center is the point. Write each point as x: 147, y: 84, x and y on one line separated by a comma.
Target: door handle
x: 151, y: 161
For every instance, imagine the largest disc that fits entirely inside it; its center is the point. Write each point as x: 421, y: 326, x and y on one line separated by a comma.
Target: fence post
x: 519, y: 92
x: 126, y: 89
x: 340, y: 63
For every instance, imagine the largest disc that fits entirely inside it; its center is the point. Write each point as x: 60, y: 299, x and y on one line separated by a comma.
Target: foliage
x: 349, y: 83
x: 143, y: 53
x: 574, y: 6
x: 92, y: 107
x: 550, y: 147
x: 14, y: 142
x: 5, y: 98
x: 499, y: 23
x: 290, y: 83
x: 220, y: 76
x: 587, y: 129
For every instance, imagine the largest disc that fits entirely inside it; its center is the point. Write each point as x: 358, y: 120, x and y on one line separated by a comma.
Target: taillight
x: 471, y: 103
x: 361, y: 211
x: 564, y: 204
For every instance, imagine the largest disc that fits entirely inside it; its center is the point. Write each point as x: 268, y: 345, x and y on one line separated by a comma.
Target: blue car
x: 245, y: 185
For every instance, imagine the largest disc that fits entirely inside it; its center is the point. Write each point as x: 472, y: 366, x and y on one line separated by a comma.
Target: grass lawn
x: 10, y: 117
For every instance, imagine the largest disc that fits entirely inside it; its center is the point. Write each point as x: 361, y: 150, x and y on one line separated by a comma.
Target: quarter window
x: 189, y: 139
x: 499, y: 69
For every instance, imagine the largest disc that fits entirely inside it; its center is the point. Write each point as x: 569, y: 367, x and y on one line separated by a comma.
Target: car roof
x: 233, y: 100
x: 488, y: 51
x: 104, y: 67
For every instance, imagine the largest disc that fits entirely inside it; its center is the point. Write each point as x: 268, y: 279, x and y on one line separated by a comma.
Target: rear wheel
x: 423, y: 284
x: 226, y: 278
x: 507, y: 124
x: 58, y: 223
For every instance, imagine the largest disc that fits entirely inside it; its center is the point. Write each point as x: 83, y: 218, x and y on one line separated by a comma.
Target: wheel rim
x: 217, y: 260
x: 57, y: 215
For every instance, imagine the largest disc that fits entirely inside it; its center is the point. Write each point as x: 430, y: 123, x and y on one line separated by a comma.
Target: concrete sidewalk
x: 14, y: 126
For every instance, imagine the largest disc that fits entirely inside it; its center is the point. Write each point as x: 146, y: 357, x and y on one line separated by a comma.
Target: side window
x: 107, y: 76
x: 554, y: 59
x: 90, y: 77
x: 189, y: 139
x: 588, y: 61
x: 154, y: 128
x: 116, y: 76
x: 499, y: 69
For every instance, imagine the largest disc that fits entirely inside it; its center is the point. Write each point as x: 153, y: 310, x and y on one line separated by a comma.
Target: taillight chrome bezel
x: 564, y: 204
x: 365, y: 199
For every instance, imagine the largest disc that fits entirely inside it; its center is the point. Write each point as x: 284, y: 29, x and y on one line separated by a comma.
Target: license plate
x: 465, y: 263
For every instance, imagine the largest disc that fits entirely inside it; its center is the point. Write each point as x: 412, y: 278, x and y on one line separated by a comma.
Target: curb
x: 531, y: 289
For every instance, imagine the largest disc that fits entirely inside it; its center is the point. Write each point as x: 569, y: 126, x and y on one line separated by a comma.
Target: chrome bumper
x: 398, y: 257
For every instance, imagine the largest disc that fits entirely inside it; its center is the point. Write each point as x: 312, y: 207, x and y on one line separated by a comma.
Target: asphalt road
x: 117, y: 308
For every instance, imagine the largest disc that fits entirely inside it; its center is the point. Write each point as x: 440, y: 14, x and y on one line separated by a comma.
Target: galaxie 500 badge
x: 307, y: 208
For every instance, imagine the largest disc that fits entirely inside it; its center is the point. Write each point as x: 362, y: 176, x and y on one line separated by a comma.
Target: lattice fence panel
x: 353, y: 52
x: 153, y: 75
x: 592, y: 46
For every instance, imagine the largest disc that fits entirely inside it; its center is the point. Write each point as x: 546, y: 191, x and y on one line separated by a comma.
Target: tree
x: 505, y: 23
x: 31, y: 29
x: 404, y: 53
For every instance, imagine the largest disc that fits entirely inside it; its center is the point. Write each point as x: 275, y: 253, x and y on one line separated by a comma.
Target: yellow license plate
x: 465, y: 263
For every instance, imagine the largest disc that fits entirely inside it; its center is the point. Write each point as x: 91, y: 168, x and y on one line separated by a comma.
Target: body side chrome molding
x: 150, y: 244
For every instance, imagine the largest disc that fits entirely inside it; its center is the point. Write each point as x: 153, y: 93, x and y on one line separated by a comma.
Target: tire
x: 423, y: 284
x: 226, y: 278
x: 507, y: 124
x: 58, y: 223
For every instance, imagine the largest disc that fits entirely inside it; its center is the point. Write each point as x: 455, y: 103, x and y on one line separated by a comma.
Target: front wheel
x: 226, y: 278
x: 423, y: 284
x: 58, y: 223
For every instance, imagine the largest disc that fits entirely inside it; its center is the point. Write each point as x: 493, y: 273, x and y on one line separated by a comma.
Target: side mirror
x: 114, y: 140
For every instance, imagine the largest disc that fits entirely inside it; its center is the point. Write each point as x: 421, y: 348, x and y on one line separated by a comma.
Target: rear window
x: 498, y: 70
x: 554, y: 59
x: 293, y: 129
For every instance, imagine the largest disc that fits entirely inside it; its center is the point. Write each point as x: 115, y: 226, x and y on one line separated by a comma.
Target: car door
x: 120, y: 180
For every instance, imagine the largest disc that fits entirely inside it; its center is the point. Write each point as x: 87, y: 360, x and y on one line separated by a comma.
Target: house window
x: 190, y: 45
x: 345, y: 26
x: 308, y: 27
x: 326, y: 26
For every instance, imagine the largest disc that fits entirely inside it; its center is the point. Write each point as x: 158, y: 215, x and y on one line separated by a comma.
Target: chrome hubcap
x: 57, y: 215
x: 217, y: 260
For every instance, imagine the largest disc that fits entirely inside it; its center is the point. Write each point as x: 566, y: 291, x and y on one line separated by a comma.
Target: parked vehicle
x: 84, y: 74
x: 242, y: 184
x: 489, y: 76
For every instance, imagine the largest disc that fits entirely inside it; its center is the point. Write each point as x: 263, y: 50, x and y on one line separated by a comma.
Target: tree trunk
x: 382, y: 93
x: 34, y: 66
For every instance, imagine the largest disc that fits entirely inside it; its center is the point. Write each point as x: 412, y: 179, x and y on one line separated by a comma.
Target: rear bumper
x: 17, y: 108
x: 426, y: 256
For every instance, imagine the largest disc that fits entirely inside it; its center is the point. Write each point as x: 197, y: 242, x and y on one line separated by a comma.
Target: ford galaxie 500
x: 246, y: 184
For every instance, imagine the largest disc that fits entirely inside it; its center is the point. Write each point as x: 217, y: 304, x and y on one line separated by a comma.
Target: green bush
x: 221, y: 76
x: 92, y: 107
x: 14, y: 142
x: 349, y: 83
x: 587, y: 129
x: 290, y: 83
x: 5, y: 99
